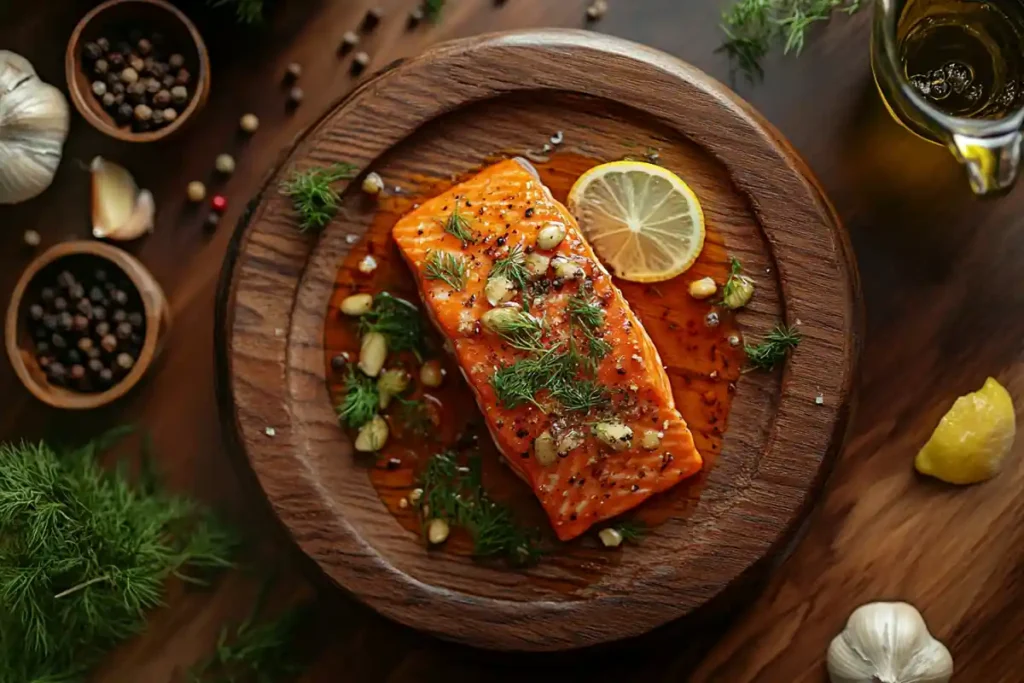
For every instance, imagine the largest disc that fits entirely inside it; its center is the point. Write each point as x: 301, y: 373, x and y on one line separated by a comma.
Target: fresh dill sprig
x: 361, y: 399
x: 631, y: 530
x: 247, y: 11
x: 258, y: 650
x: 753, y: 27
x: 315, y: 200
x: 398, y: 320
x: 447, y: 267
x: 732, y: 282
x: 586, y: 312
x: 581, y: 395
x: 455, y: 493
x: 555, y: 370
x: 513, y: 266
x: 773, y: 350
x: 83, y: 555
x: 458, y: 226
x: 432, y: 9
x: 520, y: 330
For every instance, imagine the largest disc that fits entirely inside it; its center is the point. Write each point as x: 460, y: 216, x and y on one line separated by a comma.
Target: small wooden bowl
x: 19, y: 342
x: 147, y: 15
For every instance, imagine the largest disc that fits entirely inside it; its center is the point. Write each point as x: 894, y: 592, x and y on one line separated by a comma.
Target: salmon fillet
x: 580, y: 376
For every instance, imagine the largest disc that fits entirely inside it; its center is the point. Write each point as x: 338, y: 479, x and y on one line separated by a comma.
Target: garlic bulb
x: 34, y: 120
x: 888, y: 642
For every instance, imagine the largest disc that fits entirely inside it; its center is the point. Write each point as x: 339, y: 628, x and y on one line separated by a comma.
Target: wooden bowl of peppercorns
x: 85, y: 322
x: 137, y: 70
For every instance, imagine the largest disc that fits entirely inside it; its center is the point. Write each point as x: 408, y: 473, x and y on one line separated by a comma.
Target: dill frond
x: 513, y: 266
x: 398, y: 320
x: 313, y: 196
x: 774, y: 349
x: 448, y: 268
x: 361, y: 399
x: 457, y: 225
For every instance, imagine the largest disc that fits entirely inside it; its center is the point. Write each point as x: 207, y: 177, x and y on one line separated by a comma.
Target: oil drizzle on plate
x: 701, y: 363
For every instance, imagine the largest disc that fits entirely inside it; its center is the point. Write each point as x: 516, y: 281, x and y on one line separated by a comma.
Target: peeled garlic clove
x: 888, y: 641
x: 114, y: 196
x: 139, y: 223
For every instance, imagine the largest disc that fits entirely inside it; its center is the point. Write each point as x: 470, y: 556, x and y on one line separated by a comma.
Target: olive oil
x: 965, y: 57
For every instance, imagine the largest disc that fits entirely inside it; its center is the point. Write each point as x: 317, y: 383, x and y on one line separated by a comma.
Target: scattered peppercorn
x: 415, y: 17
x: 597, y: 9
x: 372, y: 18
x: 212, y: 221
x: 249, y: 123
x: 31, y: 238
x: 295, y: 96
x: 219, y: 203
x: 196, y: 191
x: 349, y: 42
x: 293, y: 72
x: 360, y: 62
x: 225, y: 164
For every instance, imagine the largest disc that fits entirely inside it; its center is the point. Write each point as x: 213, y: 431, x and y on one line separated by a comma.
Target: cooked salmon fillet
x: 572, y: 388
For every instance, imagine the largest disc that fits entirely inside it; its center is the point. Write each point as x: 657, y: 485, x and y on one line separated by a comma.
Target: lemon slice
x: 972, y: 439
x: 643, y: 221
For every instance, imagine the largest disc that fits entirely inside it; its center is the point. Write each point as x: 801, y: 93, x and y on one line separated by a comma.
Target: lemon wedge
x: 972, y: 439
x: 644, y: 222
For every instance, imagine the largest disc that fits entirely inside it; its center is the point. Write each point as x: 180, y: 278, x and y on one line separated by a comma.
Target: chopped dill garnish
x: 398, y: 320
x: 586, y: 312
x: 513, y: 266
x: 458, y: 225
x: 732, y: 282
x: 313, y: 197
x: 520, y: 330
x: 753, y: 27
x: 415, y: 418
x: 361, y: 399
x: 774, y: 349
x: 447, y: 267
x: 554, y: 370
x: 455, y: 494
x: 631, y: 530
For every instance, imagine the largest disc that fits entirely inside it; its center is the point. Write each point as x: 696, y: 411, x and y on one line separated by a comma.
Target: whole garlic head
x: 888, y: 642
x: 34, y: 120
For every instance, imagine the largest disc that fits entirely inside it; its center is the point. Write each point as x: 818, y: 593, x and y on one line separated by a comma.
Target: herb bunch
x: 83, y: 555
x: 556, y: 370
x: 753, y: 27
x: 773, y: 350
x: 361, y: 399
x: 455, y: 493
x: 313, y: 196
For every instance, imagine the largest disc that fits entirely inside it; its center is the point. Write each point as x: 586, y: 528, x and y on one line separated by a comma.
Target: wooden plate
x: 443, y: 115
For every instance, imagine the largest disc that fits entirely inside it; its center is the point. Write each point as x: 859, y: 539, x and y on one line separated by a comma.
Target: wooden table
x: 944, y: 310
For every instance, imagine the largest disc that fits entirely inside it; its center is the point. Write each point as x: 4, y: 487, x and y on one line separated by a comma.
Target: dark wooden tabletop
x: 944, y: 309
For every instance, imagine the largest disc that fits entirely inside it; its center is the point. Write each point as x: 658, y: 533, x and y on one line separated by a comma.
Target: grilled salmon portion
x: 570, y: 384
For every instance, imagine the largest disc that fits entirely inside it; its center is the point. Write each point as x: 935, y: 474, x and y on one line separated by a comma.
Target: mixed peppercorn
x: 87, y: 324
x: 139, y: 81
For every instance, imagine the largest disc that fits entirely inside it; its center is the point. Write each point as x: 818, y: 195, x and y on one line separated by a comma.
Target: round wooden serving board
x: 444, y: 115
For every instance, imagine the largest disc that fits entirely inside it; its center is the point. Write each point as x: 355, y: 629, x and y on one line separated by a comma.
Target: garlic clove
x: 141, y: 220
x: 114, y: 196
x: 888, y: 641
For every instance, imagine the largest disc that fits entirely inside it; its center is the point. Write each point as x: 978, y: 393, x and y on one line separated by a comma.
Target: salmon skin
x: 570, y: 385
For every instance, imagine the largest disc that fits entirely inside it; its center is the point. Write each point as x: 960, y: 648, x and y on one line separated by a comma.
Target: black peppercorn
x: 65, y: 321
x: 158, y: 117
x: 338, y: 363
x: 176, y: 61
x: 103, y: 44
x: 124, y: 112
x: 106, y: 376
x: 415, y: 17
x: 100, y: 275
x: 44, y: 361
x: 162, y: 99
x: 81, y: 323
x: 96, y: 295
x: 58, y: 341
x: 95, y: 365
x: 94, y: 352
x: 153, y: 86
x: 372, y: 18
x: 76, y: 291
x: 124, y: 330
x: 145, y: 47
x: 135, y: 319
x: 114, y: 79
x: 119, y: 297
x: 115, y: 61
x: 36, y: 312
x: 212, y: 221
x: 47, y: 294
x: 92, y: 51
x: 293, y: 72
x: 183, y: 77
x: 84, y: 306
x: 99, y: 313
x: 57, y: 373
x: 167, y: 81
x: 60, y: 303
x: 102, y: 329
x: 360, y: 62
x: 73, y: 356
x: 42, y: 347
x: 295, y: 96
x: 50, y: 321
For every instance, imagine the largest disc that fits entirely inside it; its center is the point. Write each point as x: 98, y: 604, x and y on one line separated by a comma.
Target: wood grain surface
x: 944, y: 308
x: 445, y: 114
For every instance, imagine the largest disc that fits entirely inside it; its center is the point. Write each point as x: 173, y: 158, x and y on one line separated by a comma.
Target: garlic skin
x: 888, y: 642
x: 34, y: 121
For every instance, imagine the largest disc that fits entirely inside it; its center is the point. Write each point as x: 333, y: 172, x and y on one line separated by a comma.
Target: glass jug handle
x: 992, y: 162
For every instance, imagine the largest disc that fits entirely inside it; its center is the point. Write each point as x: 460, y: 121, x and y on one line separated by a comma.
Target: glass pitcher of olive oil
x: 952, y: 71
